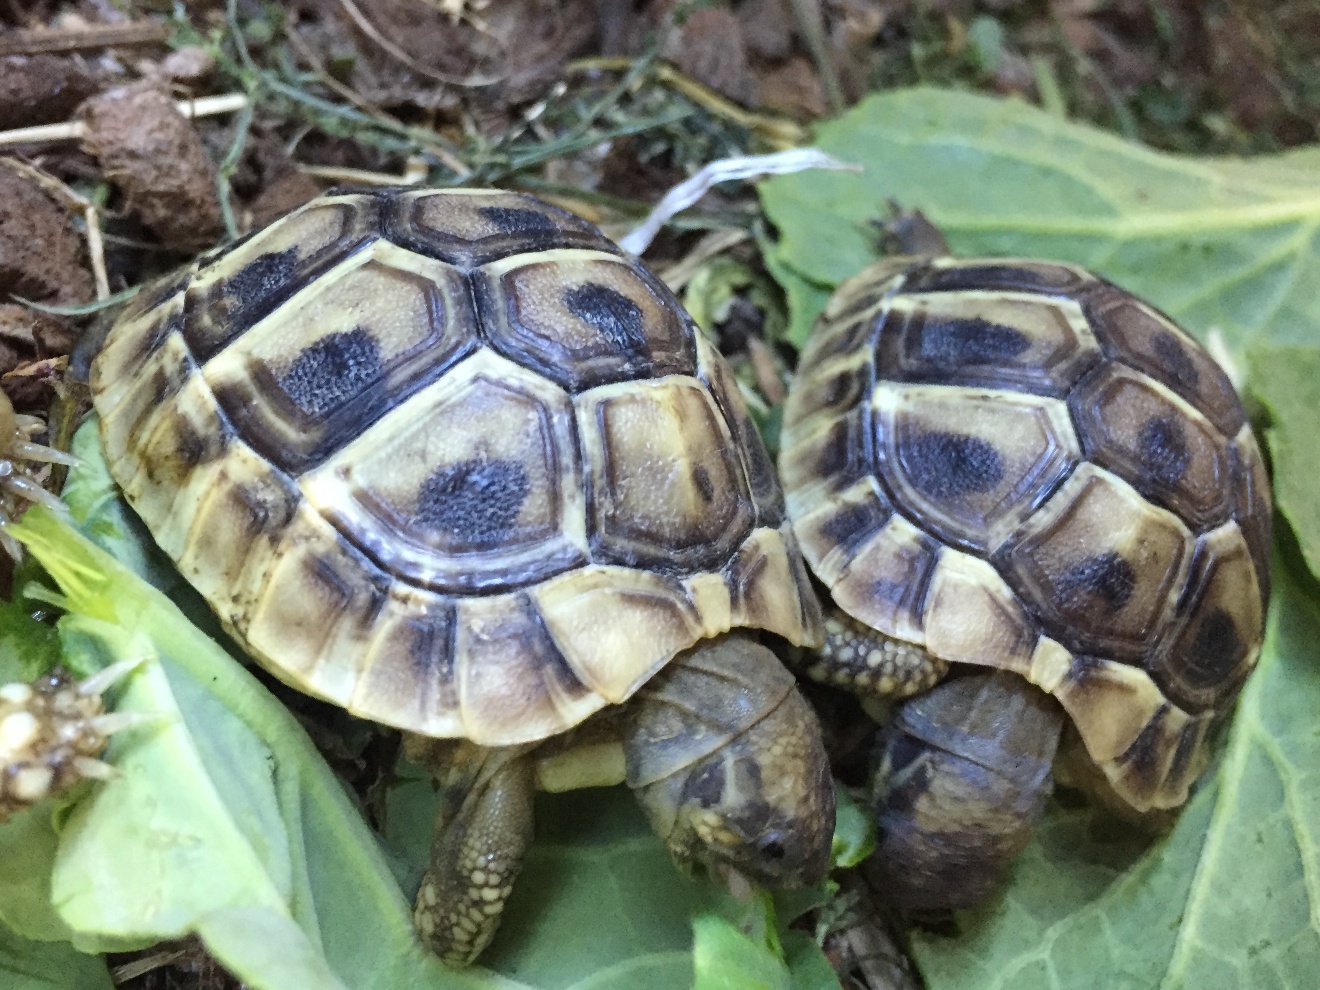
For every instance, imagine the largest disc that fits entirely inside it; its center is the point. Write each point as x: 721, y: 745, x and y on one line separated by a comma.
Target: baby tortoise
x: 1016, y: 465
x: 451, y: 460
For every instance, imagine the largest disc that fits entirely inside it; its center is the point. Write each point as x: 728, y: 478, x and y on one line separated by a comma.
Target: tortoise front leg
x: 482, y: 833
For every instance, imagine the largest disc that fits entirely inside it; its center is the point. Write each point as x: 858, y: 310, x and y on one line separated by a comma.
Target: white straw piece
x: 686, y: 193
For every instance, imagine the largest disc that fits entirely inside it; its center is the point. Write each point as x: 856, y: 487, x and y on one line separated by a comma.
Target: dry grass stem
x: 46, y: 42
x: 715, y: 243
x: 73, y: 130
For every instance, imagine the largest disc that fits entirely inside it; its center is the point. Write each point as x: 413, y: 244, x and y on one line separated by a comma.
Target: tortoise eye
x: 772, y: 847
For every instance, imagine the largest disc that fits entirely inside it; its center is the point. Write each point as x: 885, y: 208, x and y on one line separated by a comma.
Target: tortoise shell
x: 448, y: 459
x: 1020, y: 465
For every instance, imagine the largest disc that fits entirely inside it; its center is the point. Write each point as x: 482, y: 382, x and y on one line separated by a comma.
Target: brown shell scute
x: 448, y: 459
x: 1017, y: 464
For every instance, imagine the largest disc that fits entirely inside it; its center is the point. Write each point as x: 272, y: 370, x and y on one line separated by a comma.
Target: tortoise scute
x: 448, y: 459
x: 1017, y: 464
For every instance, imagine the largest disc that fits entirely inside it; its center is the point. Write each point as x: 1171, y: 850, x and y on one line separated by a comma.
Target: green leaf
x: 1286, y: 380
x: 726, y: 959
x: 29, y: 965
x: 225, y: 820
x: 854, y: 831
x: 1229, y: 901
x: 1218, y: 244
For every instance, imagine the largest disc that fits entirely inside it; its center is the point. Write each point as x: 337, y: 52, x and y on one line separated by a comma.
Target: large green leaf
x: 1227, y: 245
x: 1229, y: 901
x: 1287, y: 382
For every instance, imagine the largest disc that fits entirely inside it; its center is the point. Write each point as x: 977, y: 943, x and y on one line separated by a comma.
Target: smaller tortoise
x: 1019, y: 466
x: 451, y: 460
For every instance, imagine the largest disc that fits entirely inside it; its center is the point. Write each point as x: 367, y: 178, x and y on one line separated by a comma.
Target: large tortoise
x: 451, y: 460
x: 1016, y: 465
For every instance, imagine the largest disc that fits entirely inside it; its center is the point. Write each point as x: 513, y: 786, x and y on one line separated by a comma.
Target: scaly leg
x: 482, y: 834
x: 869, y: 663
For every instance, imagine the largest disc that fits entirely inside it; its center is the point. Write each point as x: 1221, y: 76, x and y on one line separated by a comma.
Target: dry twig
x: 45, y: 42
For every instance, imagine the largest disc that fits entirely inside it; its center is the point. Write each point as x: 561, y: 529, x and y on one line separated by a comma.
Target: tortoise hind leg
x: 869, y: 663
x: 482, y: 833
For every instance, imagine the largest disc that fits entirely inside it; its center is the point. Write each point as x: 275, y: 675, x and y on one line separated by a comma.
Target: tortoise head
x: 744, y: 786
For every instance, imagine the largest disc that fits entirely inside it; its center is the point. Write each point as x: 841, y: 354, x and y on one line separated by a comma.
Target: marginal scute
x: 718, y: 377
x: 514, y: 684
x: 885, y: 583
x: 1157, y: 442
x: 972, y: 616
x: 971, y: 464
x: 237, y: 523
x: 319, y: 620
x: 1099, y: 565
x: 828, y: 454
x: 1214, y: 641
x: 585, y: 319
x: 769, y: 589
x: 1253, y: 506
x: 833, y: 530
x: 616, y: 626
x: 408, y: 670
x: 649, y: 505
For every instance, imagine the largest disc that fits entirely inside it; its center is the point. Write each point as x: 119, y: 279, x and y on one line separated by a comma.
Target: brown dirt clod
x: 155, y: 157
x: 40, y: 253
x: 41, y: 89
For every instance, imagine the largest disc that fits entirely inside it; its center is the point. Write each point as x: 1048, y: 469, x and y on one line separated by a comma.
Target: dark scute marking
x: 706, y: 785
x: 1143, y: 755
x: 954, y: 343
x: 332, y: 371
x: 1106, y: 576
x: 952, y: 465
x: 701, y: 478
x: 854, y: 523
x: 195, y: 447
x: 260, y: 277
x: 992, y: 277
x: 836, y: 451
x: 894, y: 592
x: 616, y: 317
x: 270, y: 508
x: 474, y: 500
x: 1216, y: 650
x: 1163, y: 449
x: 1171, y: 353
x: 512, y: 220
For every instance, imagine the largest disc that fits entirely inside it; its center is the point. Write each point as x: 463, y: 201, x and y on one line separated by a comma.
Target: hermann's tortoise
x: 454, y: 462
x: 1017, y: 465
